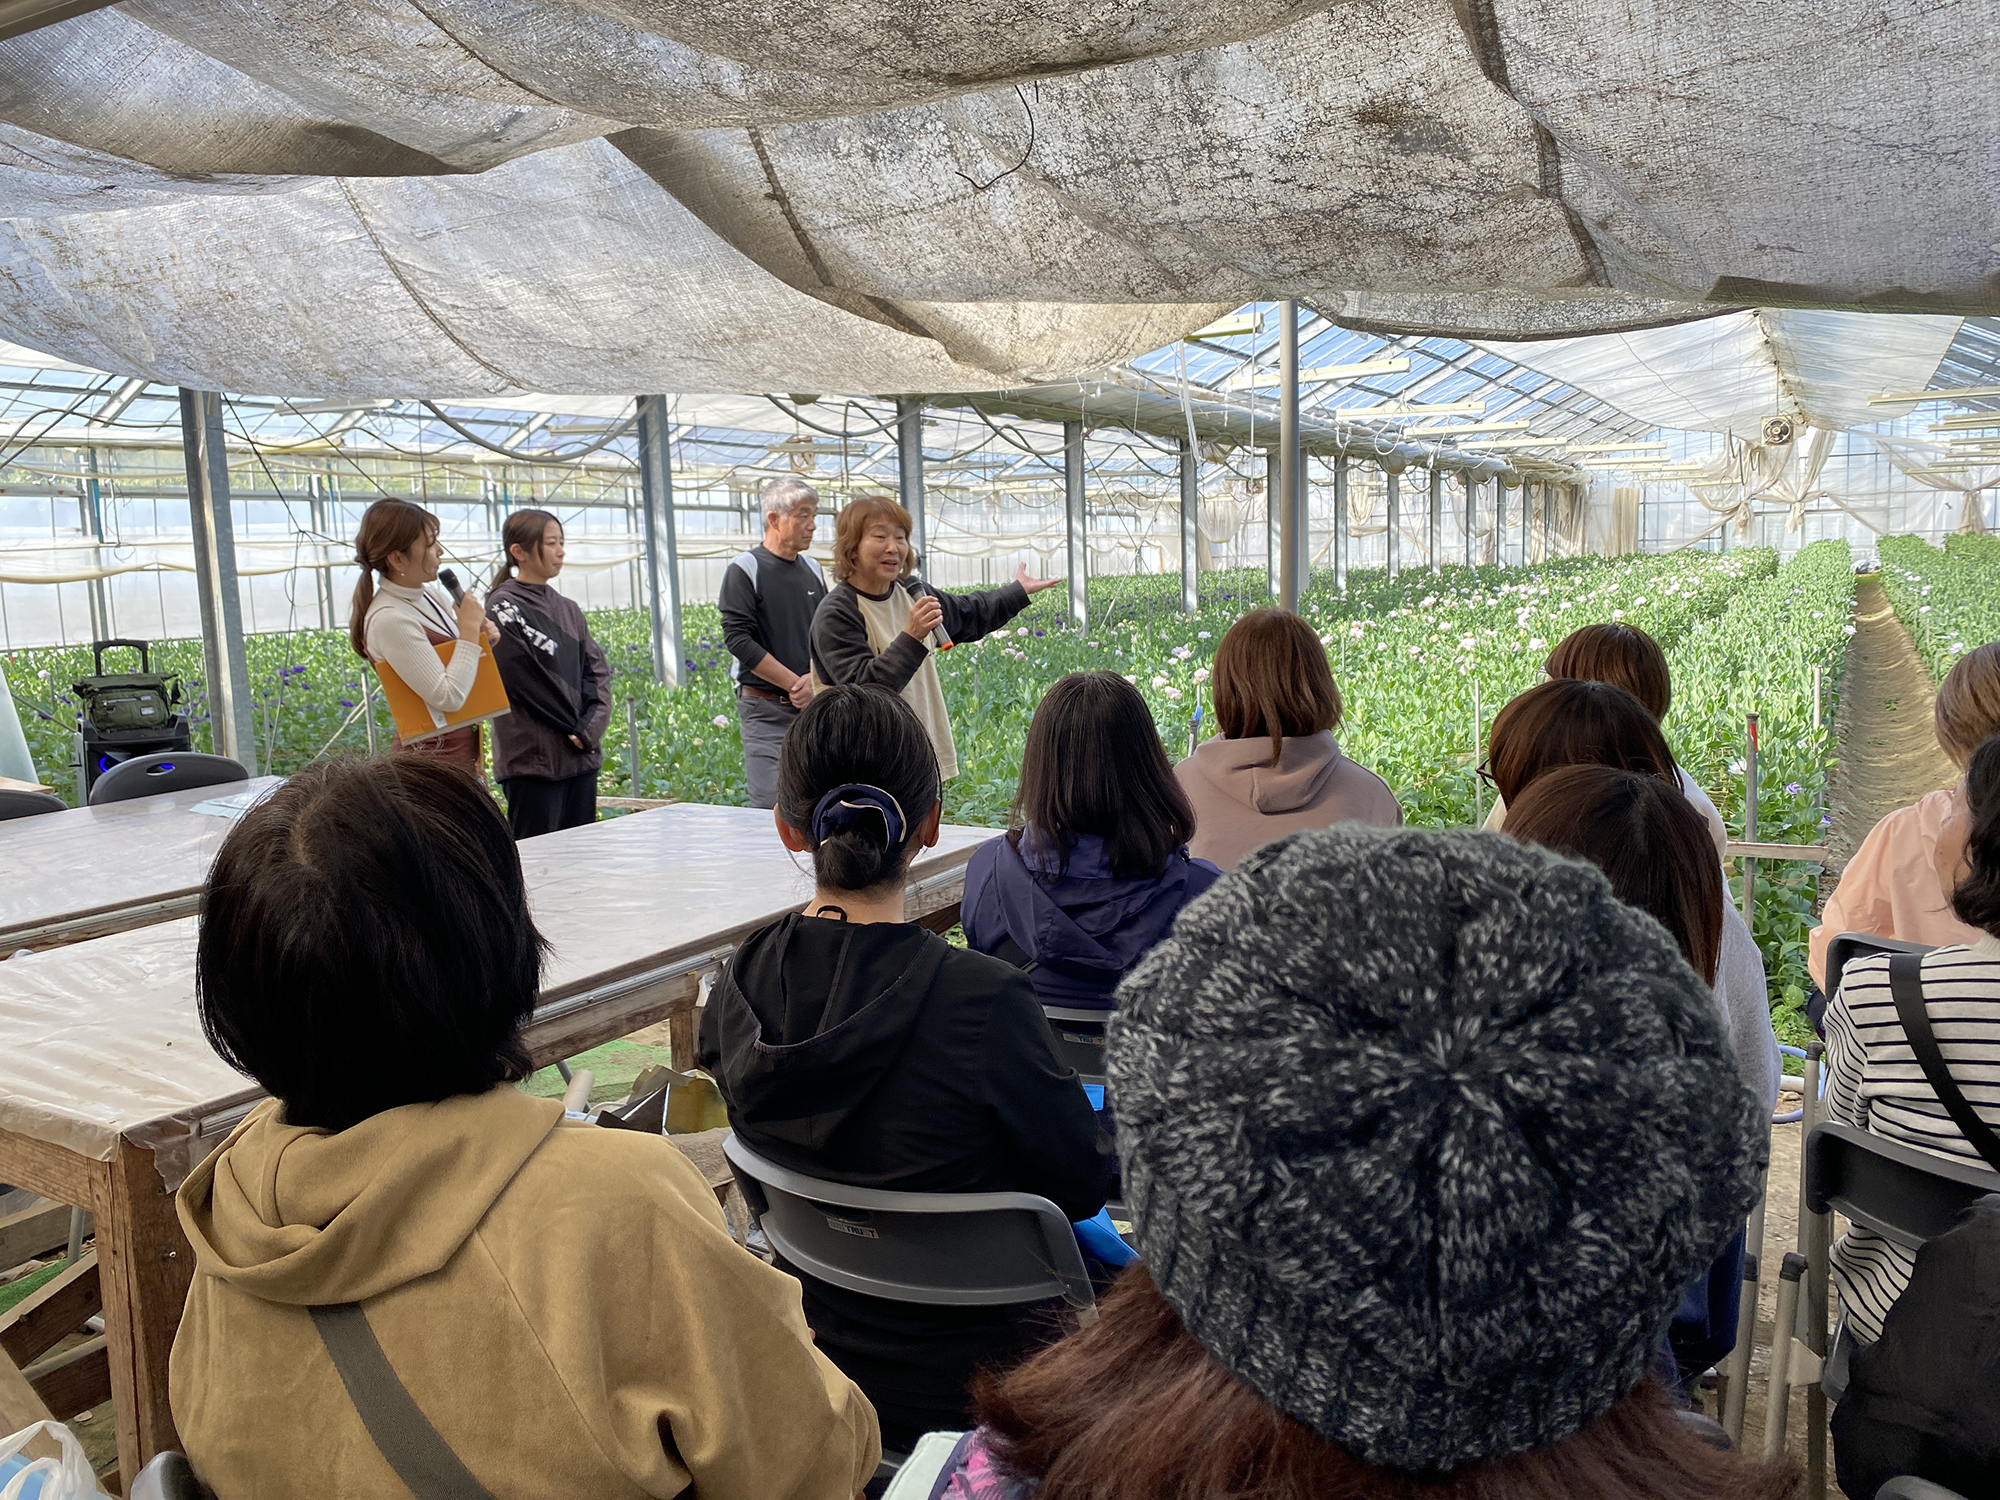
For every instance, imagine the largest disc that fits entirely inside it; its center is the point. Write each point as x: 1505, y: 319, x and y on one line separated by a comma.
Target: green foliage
x: 1424, y: 661
x: 1948, y: 598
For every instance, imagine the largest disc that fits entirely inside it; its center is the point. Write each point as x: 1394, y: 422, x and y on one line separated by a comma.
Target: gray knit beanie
x: 1424, y: 1133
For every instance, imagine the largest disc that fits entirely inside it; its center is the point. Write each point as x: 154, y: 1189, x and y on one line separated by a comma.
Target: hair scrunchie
x: 851, y: 805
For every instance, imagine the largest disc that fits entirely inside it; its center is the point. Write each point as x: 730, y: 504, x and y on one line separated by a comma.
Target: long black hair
x: 857, y: 736
x: 1977, y: 898
x: 1094, y: 764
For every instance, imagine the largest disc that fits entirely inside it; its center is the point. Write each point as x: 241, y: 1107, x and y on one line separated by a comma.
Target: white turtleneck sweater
x: 394, y: 629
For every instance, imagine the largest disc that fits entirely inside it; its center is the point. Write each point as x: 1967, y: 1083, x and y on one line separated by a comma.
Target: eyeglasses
x: 1484, y: 770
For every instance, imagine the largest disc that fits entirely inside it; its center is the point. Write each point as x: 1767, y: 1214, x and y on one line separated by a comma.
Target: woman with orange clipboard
x: 401, y: 624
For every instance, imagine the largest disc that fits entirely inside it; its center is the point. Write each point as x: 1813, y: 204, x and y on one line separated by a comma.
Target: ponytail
x: 858, y: 776
x: 1977, y: 897
x: 524, y: 528
x: 386, y: 526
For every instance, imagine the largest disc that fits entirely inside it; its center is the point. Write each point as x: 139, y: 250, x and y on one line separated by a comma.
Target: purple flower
x: 347, y: 703
x: 1793, y: 789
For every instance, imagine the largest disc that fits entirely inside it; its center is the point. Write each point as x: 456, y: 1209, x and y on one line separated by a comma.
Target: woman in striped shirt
x: 1875, y: 1081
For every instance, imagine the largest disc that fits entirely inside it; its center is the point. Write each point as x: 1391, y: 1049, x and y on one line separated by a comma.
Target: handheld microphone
x: 940, y: 638
x: 450, y: 581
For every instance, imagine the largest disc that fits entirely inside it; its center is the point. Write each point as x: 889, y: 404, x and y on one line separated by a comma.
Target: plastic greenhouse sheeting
x: 466, y: 197
x: 1729, y: 373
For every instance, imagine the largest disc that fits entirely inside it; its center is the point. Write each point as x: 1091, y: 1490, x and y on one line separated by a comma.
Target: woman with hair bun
x: 853, y: 1045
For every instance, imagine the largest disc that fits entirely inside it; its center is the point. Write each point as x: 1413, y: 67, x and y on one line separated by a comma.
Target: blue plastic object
x: 1094, y: 1092
x: 9, y: 1467
x: 1096, y: 1237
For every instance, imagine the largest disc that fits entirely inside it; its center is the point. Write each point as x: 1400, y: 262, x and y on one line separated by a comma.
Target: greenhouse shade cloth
x: 587, y: 196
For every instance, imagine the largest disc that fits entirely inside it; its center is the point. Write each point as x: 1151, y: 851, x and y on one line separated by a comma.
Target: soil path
x: 1889, y: 755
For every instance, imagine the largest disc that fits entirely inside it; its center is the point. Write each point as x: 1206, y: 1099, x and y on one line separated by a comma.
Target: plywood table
x: 109, y: 1095
x: 87, y: 871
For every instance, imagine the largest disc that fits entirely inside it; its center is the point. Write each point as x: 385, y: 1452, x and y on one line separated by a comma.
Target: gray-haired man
x: 768, y: 597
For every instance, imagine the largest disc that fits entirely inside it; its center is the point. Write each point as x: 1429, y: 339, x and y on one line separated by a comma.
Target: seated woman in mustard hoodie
x: 562, y: 1303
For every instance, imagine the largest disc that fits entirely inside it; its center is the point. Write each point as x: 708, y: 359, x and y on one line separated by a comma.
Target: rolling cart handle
x: 98, y: 648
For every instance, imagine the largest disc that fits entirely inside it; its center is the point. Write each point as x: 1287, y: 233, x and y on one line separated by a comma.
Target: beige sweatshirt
x: 563, y: 1302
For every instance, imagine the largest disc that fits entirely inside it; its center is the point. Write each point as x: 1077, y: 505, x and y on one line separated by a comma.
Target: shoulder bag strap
x: 1906, y: 986
x: 421, y: 1459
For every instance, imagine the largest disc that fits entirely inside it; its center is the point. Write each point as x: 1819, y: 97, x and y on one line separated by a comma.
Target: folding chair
x: 1904, y: 1194
x: 1848, y: 946
x: 170, y: 771
x: 168, y: 1477
x: 943, y: 1249
x: 1080, y: 1040
x: 1909, y: 1487
x: 19, y: 804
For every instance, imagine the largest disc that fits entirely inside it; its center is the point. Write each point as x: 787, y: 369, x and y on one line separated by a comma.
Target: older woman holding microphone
x: 403, y: 622
x: 880, y: 624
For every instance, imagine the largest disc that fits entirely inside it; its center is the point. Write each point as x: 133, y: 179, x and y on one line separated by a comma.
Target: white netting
x: 624, y: 195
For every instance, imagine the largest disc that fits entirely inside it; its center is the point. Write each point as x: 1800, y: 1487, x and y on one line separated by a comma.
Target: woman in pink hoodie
x: 1275, y: 767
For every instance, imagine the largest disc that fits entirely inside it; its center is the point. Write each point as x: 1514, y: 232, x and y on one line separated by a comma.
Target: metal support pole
x: 663, y: 567
x: 226, y: 668
x: 322, y: 577
x: 1471, y: 515
x: 1437, y: 520
x: 1548, y: 522
x: 1294, y: 544
x: 910, y: 470
x: 1750, y: 820
x: 1395, y: 531
x: 1076, y: 523
x: 1271, y: 506
x: 1190, y: 527
x: 1340, y: 524
x: 93, y: 525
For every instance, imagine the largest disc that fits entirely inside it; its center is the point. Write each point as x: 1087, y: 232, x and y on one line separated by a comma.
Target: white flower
x: 1737, y: 768
x: 1467, y: 642
x: 1130, y: 678
x: 1536, y: 643
x: 1617, y: 614
x: 1159, y: 681
x: 1354, y: 634
x: 1958, y: 645
x: 1416, y: 653
x: 1174, y: 693
x: 1637, y: 602
x: 697, y: 744
x: 43, y: 674
x: 1847, y: 630
x: 1201, y: 635
x: 1922, y: 609
x: 719, y: 722
x: 1200, y: 675
x: 1183, y: 652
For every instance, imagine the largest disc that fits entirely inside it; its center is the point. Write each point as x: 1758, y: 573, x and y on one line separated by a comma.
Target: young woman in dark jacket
x: 546, y: 752
x: 856, y: 1046
x: 1099, y: 867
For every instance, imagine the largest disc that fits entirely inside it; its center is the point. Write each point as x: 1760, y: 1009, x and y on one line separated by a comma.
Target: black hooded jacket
x: 881, y: 1056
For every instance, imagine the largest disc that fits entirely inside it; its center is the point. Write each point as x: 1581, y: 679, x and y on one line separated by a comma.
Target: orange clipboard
x: 414, y: 721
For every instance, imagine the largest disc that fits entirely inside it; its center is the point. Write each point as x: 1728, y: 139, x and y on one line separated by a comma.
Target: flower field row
x: 1424, y: 662
x: 1949, y: 597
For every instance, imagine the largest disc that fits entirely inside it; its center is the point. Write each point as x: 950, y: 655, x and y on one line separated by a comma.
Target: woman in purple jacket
x: 547, y: 751
x: 1099, y: 865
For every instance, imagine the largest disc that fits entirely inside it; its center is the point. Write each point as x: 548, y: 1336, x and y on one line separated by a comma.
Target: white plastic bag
x: 66, y: 1478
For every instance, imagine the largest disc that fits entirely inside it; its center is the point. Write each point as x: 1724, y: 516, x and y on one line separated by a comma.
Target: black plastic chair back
x: 1904, y: 1194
